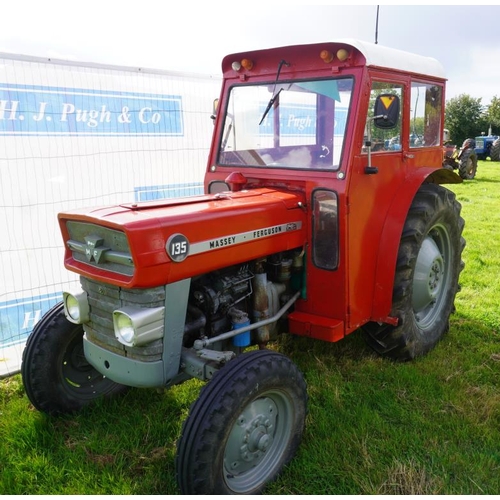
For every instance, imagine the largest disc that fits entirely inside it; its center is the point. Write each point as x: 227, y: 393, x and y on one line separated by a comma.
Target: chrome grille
x: 100, y: 247
x: 103, y: 300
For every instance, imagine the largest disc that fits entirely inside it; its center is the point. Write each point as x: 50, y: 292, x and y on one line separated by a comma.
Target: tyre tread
x: 395, y: 342
x: 201, y: 430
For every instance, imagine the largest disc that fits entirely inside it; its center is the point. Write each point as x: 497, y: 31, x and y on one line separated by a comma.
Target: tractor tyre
x: 244, y: 428
x: 495, y: 150
x: 467, y: 166
x: 56, y: 376
x: 428, y: 266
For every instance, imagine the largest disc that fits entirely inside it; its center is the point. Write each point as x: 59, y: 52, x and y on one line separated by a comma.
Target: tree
x: 464, y: 118
x: 493, y: 115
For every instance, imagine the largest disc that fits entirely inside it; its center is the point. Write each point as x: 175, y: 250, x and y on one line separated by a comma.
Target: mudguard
x: 393, y: 228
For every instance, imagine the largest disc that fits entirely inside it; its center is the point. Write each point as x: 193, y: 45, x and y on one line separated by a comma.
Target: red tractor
x: 463, y: 159
x: 312, y: 223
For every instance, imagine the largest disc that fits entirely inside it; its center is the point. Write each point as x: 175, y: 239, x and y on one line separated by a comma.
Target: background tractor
x: 488, y: 146
x: 464, y: 159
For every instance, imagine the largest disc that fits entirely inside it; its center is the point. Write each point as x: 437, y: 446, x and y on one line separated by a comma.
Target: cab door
x: 378, y: 171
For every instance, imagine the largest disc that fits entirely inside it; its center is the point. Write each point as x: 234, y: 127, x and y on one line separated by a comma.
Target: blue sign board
x: 46, y: 111
x: 18, y: 317
x: 149, y: 193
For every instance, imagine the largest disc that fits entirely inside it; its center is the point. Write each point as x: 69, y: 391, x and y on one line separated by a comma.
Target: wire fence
x: 76, y: 135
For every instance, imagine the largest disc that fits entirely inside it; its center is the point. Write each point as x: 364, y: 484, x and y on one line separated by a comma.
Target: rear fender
x: 468, y: 145
x: 391, y: 233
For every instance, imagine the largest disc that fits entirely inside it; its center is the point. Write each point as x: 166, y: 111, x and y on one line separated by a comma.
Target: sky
x: 194, y: 37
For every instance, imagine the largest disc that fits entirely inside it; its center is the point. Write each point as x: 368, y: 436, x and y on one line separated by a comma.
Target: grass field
x: 431, y: 426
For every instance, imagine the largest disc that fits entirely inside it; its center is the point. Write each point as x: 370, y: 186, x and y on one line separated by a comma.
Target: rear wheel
x: 244, y: 428
x: 426, y: 281
x: 495, y: 150
x: 467, y: 166
x: 56, y: 376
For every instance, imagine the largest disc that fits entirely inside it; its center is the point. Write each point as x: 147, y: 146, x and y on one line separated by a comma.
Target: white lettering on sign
x: 31, y: 319
x: 146, y: 115
x: 299, y: 123
x: 90, y: 117
x: 11, y: 107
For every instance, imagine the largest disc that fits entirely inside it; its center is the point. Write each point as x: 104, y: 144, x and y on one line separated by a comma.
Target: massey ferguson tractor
x: 310, y: 225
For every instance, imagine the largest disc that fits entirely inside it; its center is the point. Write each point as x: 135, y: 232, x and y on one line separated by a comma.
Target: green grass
x: 431, y: 426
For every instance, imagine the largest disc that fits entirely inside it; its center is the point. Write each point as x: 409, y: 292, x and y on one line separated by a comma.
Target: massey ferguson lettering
x: 222, y: 242
x: 268, y: 231
x: 236, y: 239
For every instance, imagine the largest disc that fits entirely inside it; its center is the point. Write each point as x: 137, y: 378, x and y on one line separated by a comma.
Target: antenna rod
x: 376, y: 26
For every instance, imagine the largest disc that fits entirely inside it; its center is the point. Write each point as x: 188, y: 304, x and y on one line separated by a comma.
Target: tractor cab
x: 358, y: 129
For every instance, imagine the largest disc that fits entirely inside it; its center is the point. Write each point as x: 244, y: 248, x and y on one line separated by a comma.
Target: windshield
x: 291, y: 124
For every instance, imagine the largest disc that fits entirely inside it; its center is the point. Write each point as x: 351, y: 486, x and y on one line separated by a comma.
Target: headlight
x: 124, y: 328
x: 76, y: 307
x: 137, y: 327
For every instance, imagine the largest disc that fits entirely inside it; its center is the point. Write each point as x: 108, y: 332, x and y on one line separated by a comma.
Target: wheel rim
x: 470, y: 168
x: 81, y: 377
x: 431, y: 277
x: 258, y: 441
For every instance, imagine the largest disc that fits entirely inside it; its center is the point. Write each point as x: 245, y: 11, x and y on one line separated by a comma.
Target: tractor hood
x: 153, y: 243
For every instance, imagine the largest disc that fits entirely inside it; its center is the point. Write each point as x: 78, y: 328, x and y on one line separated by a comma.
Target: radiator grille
x: 103, y: 300
x: 100, y: 247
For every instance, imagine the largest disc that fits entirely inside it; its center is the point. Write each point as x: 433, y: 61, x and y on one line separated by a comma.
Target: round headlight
x: 76, y: 306
x: 73, y: 308
x: 124, y: 329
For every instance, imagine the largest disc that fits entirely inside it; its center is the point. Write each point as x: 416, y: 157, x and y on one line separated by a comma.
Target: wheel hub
x: 428, y: 278
x: 252, y: 436
x: 258, y: 439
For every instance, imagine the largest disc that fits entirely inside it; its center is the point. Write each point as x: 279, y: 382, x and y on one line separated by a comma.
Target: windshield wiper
x: 269, y: 105
x: 274, y: 96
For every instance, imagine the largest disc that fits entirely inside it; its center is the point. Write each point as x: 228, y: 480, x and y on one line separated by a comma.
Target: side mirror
x: 386, y: 111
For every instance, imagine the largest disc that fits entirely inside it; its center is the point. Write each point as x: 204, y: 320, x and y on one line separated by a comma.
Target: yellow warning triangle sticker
x: 387, y: 100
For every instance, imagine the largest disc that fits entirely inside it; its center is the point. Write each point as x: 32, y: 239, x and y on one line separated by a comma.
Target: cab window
x: 383, y: 140
x: 425, y: 119
x: 294, y: 124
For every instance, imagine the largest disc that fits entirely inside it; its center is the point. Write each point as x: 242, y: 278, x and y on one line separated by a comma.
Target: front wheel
x: 56, y: 376
x: 244, y: 428
x: 426, y: 281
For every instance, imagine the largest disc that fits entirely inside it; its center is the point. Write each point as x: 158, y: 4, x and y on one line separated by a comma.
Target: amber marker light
x: 244, y: 63
x: 247, y: 64
x: 326, y: 56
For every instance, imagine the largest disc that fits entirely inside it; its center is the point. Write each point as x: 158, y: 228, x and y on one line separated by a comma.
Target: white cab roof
x: 386, y: 57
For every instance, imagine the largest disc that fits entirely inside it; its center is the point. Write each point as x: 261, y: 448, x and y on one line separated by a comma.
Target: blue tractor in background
x: 488, y: 146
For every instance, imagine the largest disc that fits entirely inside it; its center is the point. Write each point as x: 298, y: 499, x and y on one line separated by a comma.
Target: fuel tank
x: 148, y: 244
